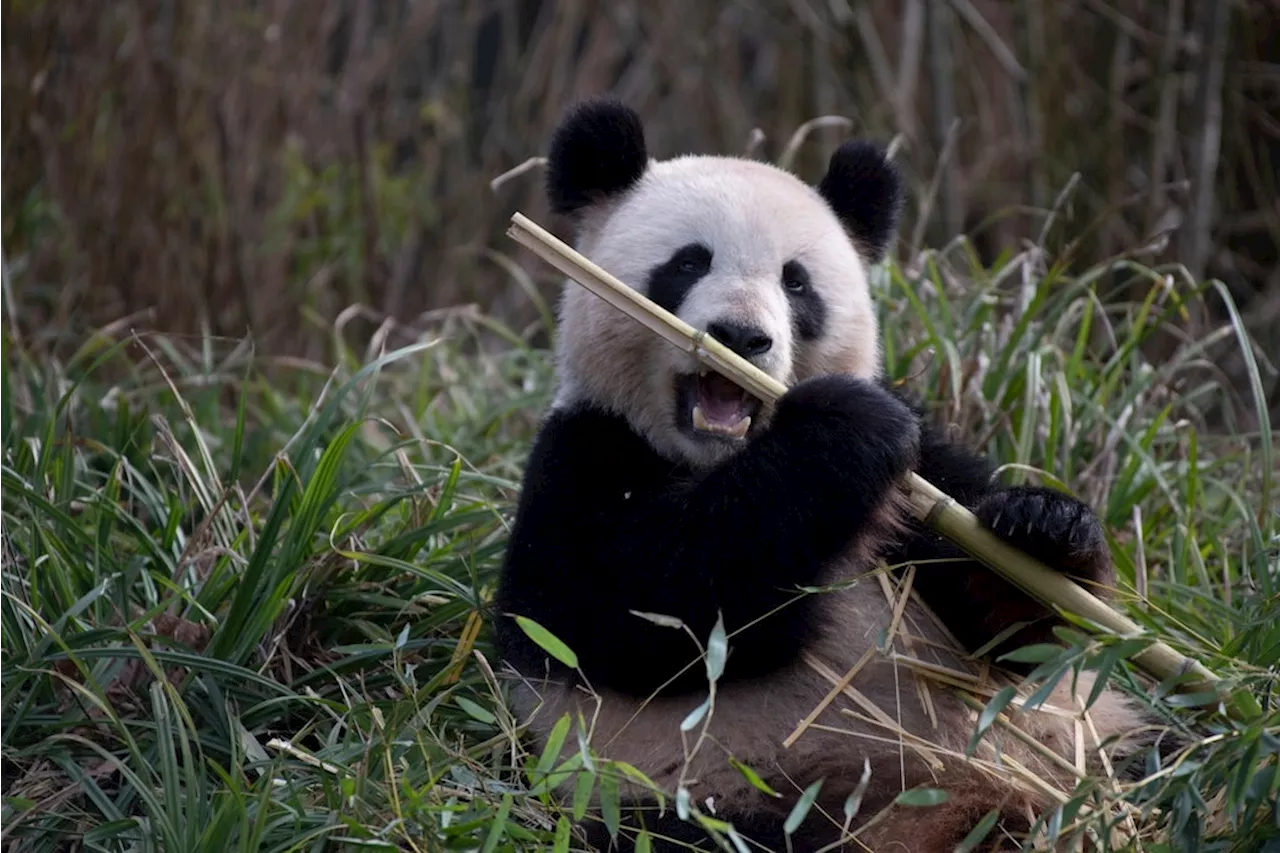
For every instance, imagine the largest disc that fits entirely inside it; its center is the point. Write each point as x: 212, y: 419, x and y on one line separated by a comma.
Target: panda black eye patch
x: 670, y: 281
x: 808, y: 313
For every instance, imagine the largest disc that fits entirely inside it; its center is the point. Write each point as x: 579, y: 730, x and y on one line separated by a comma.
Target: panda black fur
x: 632, y: 501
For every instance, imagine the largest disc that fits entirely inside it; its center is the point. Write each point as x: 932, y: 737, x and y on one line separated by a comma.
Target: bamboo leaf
x: 548, y: 642
x: 922, y: 797
x: 717, y: 650
x: 801, y: 809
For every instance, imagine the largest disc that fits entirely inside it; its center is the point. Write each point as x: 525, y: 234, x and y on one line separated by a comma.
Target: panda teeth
x: 738, y: 430
x: 700, y: 420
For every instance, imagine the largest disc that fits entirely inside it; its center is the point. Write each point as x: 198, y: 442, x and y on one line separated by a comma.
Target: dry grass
x: 198, y: 165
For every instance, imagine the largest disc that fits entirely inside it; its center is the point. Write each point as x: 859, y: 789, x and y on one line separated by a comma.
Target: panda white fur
x: 649, y: 490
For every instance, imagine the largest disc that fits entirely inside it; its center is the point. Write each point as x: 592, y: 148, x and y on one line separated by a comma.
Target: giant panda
x: 656, y: 487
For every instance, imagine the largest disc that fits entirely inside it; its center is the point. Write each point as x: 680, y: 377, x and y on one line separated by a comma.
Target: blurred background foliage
x: 221, y: 166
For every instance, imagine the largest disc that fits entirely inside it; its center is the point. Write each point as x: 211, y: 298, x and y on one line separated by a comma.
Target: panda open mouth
x: 710, y: 404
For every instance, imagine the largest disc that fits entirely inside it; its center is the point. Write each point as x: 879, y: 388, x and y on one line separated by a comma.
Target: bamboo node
x: 939, y: 507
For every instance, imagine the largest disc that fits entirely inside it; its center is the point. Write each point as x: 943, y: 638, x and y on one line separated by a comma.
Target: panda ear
x: 865, y: 191
x: 597, y: 151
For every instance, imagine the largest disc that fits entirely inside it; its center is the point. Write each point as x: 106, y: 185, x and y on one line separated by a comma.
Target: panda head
x: 772, y: 267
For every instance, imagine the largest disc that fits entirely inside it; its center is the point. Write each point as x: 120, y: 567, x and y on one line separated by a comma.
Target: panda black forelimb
x: 605, y: 527
x: 974, y: 602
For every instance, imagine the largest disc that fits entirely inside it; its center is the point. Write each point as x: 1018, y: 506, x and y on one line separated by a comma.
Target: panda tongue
x: 720, y: 400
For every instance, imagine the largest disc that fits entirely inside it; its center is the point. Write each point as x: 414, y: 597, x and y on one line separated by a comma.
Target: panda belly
x: 908, y: 729
x: 752, y: 720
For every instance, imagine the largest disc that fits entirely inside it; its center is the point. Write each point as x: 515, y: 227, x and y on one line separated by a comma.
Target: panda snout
x: 746, y: 341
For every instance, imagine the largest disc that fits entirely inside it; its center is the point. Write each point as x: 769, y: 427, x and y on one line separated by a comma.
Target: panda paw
x: 862, y: 418
x: 1060, y: 531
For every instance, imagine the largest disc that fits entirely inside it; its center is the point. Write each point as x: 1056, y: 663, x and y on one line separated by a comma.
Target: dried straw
x: 927, y: 502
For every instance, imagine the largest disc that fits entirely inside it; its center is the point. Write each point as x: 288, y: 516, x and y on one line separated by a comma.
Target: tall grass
x: 1045, y: 369
x: 253, y: 158
x: 243, y: 598
x: 240, y: 613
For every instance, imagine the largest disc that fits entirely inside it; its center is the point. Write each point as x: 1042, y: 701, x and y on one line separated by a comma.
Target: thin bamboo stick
x: 929, y: 504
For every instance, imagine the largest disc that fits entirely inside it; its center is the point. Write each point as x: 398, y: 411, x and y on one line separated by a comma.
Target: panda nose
x: 746, y: 341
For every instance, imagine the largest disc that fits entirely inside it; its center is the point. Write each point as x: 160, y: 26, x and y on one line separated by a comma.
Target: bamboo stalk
x: 929, y: 504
